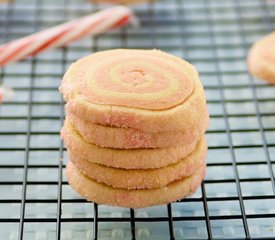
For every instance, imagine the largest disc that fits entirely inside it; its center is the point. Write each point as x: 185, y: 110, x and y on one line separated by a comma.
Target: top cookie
x: 130, y: 88
x: 143, y: 79
x: 261, y: 58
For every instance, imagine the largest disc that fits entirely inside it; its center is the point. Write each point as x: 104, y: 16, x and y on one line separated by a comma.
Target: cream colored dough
x: 104, y: 194
x: 127, y: 159
x: 130, y: 138
x: 140, y: 178
x: 261, y: 58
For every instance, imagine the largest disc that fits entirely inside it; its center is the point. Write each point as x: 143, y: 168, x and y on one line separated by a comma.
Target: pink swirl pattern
x: 141, y: 79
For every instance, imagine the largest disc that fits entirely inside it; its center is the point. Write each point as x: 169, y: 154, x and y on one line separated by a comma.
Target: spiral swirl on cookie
x: 142, y: 79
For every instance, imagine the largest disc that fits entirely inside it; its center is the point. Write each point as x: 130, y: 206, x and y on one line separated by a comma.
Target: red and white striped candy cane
x: 66, y: 33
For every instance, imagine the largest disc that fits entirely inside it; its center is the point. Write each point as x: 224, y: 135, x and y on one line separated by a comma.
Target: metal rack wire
x: 237, y: 198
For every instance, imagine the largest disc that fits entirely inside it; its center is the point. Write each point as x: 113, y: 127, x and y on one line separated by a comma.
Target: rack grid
x: 236, y: 199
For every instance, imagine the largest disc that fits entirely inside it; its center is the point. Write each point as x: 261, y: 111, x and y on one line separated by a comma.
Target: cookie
x: 148, y: 90
x: 121, y: 158
x: 104, y: 194
x: 130, y: 138
x: 140, y: 178
x: 261, y: 58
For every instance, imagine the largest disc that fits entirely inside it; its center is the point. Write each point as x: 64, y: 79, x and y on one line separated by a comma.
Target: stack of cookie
x: 134, y: 128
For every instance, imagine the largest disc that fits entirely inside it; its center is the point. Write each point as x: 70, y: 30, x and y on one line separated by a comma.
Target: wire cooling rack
x: 236, y: 200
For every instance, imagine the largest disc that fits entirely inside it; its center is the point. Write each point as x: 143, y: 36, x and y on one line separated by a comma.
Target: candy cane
x: 66, y: 33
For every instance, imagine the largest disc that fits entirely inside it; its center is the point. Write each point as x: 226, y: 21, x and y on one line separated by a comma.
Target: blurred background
x: 237, y: 198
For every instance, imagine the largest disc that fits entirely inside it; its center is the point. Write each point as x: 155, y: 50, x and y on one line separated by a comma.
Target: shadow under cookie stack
x: 134, y: 128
